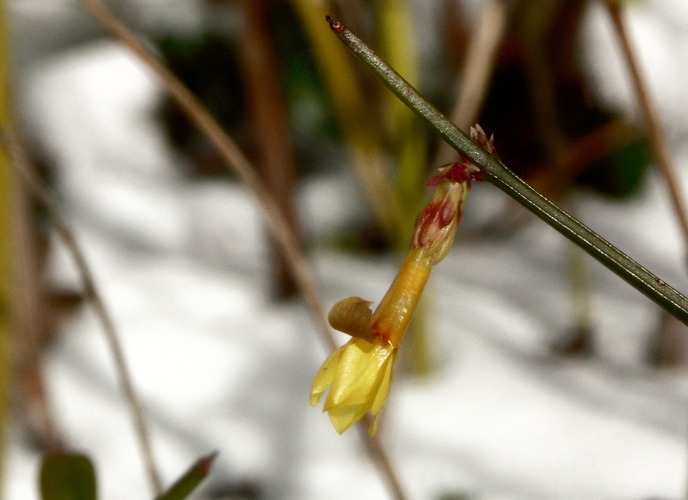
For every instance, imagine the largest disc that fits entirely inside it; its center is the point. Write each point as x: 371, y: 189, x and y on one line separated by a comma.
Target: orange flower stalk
x: 359, y: 373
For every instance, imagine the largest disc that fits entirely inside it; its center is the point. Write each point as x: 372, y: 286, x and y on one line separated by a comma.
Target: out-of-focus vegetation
x: 6, y: 184
x: 549, y: 125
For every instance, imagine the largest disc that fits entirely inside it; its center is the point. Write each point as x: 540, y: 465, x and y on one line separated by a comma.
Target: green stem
x: 498, y: 174
x: 189, y: 481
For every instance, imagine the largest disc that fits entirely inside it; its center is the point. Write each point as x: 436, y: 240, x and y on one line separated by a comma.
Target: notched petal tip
x: 373, y: 427
x: 323, y: 379
x: 343, y: 418
x: 316, y: 397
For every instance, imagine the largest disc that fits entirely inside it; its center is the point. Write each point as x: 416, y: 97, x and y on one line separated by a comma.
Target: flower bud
x: 436, y: 226
x: 359, y: 374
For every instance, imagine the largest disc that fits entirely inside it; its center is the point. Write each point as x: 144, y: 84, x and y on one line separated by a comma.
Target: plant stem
x: 8, y: 183
x: 271, y: 129
x: 406, y: 137
x: 361, y: 138
x: 189, y: 481
x: 91, y: 292
x: 28, y: 322
x: 499, y: 175
x: 233, y: 158
x: 473, y: 82
x: 654, y: 133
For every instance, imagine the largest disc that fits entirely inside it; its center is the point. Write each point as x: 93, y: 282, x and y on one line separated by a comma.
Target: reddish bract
x: 335, y: 26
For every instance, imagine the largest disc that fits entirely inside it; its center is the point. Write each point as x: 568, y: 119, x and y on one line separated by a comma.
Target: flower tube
x: 359, y: 374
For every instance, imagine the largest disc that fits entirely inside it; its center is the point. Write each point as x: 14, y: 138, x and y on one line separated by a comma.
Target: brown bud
x: 353, y: 317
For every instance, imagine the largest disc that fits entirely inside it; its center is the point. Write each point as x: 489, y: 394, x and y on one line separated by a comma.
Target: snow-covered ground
x: 183, y: 267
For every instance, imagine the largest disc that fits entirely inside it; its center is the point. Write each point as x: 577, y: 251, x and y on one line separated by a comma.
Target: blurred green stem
x: 499, y: 175
x: 189, y: 481
x: 351, y: 108
x: 535, y: 21
x: 406, y: 135
x: 581, y: 294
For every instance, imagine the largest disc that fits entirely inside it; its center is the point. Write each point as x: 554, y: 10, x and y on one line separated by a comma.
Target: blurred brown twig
x: 46, y: 198
x: 650, y: 115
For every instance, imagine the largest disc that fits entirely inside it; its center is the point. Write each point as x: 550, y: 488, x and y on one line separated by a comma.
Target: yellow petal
x: 324, y: 377
x: 358, y: 373
x: 355, y: 374
x: 385, y: 384
x: 344, y: 417
x: 373, y: 427
x: 382, y: 393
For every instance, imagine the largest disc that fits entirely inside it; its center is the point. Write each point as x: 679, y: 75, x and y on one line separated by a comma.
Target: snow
x: 183, y: 268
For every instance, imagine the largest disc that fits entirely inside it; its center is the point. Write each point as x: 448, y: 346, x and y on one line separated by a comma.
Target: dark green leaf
x: 67, y: 476
x: 620, y: 174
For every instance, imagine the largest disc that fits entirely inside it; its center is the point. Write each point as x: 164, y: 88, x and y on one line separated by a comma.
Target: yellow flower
x: 359, y: 373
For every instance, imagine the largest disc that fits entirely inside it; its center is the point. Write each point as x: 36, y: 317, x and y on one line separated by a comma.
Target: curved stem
x: 499, y: 175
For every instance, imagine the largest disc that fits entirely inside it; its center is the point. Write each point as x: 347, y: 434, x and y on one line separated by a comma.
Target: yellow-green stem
x: 361, y: 139
x: 406, y: 135
x: 393, y: 315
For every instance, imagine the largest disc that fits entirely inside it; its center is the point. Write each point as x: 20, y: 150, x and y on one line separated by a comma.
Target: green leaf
x: 621, y: 173
x: 188, y: 482
x: 67, y: 476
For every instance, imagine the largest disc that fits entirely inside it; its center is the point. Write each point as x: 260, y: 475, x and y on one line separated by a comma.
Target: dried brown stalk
x: 473, y: 82
x: 231, y: 155
x: 650, y: 115
x: 28, y: 321
x: 46, y: 198
x: 270, y: 122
